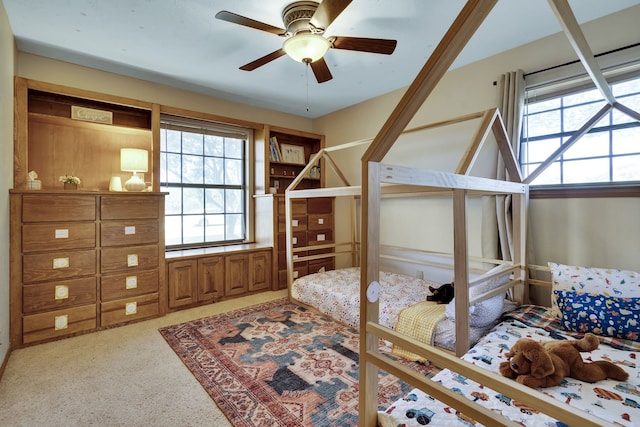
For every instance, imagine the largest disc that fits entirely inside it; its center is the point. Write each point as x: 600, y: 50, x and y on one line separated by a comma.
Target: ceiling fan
x: 305, y: 23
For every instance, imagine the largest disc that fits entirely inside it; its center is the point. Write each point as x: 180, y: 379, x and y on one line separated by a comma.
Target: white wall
x: 7, y: 63
x: 598, y: 232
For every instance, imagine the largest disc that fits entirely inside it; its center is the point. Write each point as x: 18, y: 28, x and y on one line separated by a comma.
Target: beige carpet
x: 125, y: 376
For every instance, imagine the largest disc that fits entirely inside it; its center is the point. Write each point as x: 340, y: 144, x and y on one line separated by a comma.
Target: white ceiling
x: 180, y: 43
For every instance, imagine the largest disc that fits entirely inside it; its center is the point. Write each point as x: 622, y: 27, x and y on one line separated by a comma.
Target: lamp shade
x: 306, y: 47
x: 134, y: 160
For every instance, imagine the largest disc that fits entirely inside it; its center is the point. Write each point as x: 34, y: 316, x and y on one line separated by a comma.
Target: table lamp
x: 134, y: 160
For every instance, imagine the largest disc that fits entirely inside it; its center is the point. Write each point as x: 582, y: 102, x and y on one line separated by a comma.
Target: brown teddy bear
x: 536, y: 364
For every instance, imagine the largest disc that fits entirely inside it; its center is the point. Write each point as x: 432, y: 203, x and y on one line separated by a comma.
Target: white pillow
x: 601, y: 281
x: 483, y: 313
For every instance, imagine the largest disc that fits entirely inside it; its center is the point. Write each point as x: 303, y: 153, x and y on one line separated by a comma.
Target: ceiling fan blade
x: 363, y: 44
x: 264, y: 60
x: 321, y: 70
x: 327, y: 11
x: 248, y: 22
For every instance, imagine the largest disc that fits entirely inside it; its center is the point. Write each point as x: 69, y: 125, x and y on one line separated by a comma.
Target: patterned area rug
x: 279, y: 364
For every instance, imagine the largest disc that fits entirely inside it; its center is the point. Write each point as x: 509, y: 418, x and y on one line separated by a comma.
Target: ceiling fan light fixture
x: 306, y: 47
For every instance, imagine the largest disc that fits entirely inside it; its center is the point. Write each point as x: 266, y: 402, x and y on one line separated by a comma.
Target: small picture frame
x: 292, y: 154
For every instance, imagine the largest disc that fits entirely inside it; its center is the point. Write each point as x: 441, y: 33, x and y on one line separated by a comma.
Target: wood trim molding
x: 585, y: 191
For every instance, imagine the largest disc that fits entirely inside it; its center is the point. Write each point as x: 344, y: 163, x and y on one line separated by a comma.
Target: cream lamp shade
x: 306, y: 47
x: 134, y: 160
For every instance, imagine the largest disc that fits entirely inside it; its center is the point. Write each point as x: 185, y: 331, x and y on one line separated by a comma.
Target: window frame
x: 198, y: 124
x: 563, y: 87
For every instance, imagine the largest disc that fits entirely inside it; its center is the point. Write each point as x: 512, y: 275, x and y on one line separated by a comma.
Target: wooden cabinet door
x: 260, y: 271
x: 210, y: 278
x: 182, y: 279
x: 236, y: 272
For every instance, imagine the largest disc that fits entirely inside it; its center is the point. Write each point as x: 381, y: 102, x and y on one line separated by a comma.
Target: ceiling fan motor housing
x: 296, y: 17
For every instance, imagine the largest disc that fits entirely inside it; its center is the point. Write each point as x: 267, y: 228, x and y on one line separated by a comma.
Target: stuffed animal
x: 536, y: 364
x: 441, y: 295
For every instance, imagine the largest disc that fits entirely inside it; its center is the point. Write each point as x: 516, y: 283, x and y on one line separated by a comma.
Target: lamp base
x: 134, y: 184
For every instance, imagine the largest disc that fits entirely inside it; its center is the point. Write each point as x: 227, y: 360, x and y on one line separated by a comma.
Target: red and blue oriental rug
x: 279, y: 364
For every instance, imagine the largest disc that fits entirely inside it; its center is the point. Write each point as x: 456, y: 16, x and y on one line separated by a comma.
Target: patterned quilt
x: 617, y: 402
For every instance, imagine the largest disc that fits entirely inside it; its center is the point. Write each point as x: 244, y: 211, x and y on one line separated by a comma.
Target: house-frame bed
x: 380, y: 179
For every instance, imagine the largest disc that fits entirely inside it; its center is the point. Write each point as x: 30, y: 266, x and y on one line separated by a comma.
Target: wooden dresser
x: 82, y: 261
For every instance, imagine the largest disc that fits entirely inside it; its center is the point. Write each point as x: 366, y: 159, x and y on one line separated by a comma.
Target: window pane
x: 214, y: 200
x: 173, y: 201
x: 576, y: 117
x: 213, y: 145
x: 581, y: 171
x: 550, y: 176
x: 582, y: 97
x: 193, y: 200
x: 590, y: 145
x: 233, y: 172
x: 539, y: 151
x: 626, y: 141
x: 172, y: 168
x: 537, y: 107
x: 215, y: 228
x: 173, y: 140
x: 626, y: 168
x: 233, y: 148
x: 173, y: 230
x: 193, y: 231
x: 213, y: 170
x: 544, y: 124
x: 192, y: 143
x: 234, y: 227
x: 192, y: 168
x: 234, y: 201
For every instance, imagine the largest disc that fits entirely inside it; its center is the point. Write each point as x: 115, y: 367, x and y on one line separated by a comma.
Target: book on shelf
x: 274, y: 150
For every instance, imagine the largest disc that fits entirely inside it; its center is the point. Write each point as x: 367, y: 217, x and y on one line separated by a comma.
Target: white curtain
x: 511, y: 107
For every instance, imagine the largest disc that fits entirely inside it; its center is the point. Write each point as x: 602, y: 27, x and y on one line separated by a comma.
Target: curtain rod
x: 577, y: 60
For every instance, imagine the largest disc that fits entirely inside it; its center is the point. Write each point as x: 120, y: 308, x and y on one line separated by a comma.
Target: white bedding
x: 337, y: 294
x: 617, y: 402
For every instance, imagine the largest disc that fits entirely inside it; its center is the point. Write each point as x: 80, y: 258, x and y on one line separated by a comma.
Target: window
x: 203, y: 167
x: 608, y: 153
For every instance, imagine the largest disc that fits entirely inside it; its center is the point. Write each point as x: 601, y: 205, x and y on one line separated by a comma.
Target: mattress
x: 615, y: 401
x: 337, y: 294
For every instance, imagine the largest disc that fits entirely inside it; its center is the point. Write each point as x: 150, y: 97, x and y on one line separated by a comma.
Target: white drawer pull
x: 130, y: 229
x: 130, y: 308
x: 132, y: 260
x: 62, y: 292
x: 62, y: 233
x: 131, y: 282
x: 320, y: 221
x: 61, y: 322
x: 60, y: 262
x: 294, y: 241
x: 294, y: 222
x: 321, y: 237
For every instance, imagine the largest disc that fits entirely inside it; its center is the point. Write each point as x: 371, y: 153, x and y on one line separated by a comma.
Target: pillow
x: 600, y: 314
x: 483, y: 313
x: 603, y: 281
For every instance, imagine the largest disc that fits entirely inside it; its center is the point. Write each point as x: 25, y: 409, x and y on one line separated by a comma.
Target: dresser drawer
x: 58, y: 265
x: 299, y: 239
x: 297, y: 272
x: 50, y: 237
x: 298, y: 207
x: 116, y: 260
x: 128, y: 284
x: 320, y: 205
x: 298, y: 223
x: 320, y: 221
x: 58, y: 208
x: 126, y: 310
x: 321, y: 265
x: 282, y: 259
x: 53, y: 324
x: 123, y: 233
x: 320, y: 237
x: 129, y: 207
x: 60, y: 294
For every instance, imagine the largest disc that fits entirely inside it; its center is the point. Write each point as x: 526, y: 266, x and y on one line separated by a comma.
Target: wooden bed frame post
x: 519, y: 206
x: 369, y: 311
x: 461, y: 269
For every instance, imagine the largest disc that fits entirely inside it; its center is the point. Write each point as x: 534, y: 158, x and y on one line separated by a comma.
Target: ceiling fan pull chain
x: 306, y: 72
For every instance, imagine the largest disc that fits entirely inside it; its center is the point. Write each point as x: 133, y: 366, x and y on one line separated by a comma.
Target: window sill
x: 585, y: 191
